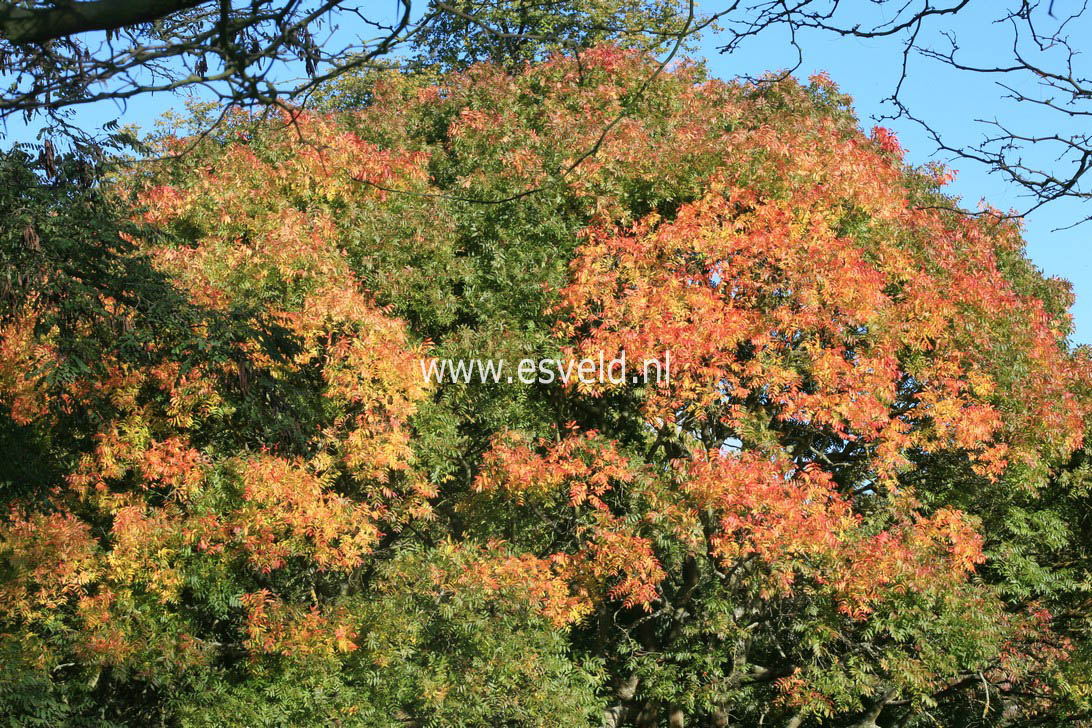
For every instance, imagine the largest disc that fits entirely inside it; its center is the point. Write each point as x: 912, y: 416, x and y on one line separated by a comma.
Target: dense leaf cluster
x: 233, y: 498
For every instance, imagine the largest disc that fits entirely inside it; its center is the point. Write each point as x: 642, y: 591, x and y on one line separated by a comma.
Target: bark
x: 648, y: 716
x: 868, y: 720
x: 39, y: 25
x: 614, y: 715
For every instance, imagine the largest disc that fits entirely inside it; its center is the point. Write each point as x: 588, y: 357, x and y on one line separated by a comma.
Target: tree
x: 268, y: 52
x: 853, y: 502
x: 256, y: 53
x: 514, y: 33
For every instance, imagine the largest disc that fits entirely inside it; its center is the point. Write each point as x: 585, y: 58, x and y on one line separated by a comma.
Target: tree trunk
x: 614, y: 715
x: 868, y: 720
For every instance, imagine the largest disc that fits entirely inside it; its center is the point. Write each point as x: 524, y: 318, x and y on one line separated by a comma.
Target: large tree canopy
x: 232, y: 497
x: 62, y: 55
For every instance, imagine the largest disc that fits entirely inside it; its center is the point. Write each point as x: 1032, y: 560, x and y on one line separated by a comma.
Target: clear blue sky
x: 868, y: 70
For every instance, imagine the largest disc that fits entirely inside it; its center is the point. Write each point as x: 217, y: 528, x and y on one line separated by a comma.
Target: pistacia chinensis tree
x: 232, y: 497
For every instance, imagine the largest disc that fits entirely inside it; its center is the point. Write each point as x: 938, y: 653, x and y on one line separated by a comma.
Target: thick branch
x: 868, y: 720
x: 22, y: 25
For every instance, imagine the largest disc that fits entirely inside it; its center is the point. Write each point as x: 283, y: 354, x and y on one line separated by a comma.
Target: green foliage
x: 512, y: 33
x: 865, y: 492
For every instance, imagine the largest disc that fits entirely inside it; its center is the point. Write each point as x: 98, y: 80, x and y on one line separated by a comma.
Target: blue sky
x: 868, y: 70
x: 950, y: 101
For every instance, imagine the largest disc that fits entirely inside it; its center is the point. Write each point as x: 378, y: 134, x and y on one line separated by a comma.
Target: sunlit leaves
x: 837, y: 493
